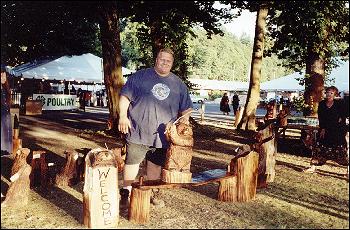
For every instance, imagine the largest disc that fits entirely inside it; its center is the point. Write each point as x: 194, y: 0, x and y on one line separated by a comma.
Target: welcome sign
x: 57, y: 101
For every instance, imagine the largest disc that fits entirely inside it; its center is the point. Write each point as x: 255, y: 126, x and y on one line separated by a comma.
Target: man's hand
x: 124, y: 125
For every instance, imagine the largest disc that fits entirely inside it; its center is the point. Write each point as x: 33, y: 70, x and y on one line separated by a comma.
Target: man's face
x: 164, y: 62
x: 330, y: 94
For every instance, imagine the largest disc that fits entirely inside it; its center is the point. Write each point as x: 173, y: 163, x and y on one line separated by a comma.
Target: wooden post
x: 228, y: 189
x: 101, y: 194
x: 68, y: 175
x: 238, y: 115
x: 139, y: 205
x: 18, y: 192
x: 246, y: 169
x: 202, y: 111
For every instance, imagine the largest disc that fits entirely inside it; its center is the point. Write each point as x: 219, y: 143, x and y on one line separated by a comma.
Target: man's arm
x: 185, y: 115
x: 124, y: 122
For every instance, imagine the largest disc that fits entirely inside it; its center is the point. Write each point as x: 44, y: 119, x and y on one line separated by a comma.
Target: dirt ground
x: 293, y: 200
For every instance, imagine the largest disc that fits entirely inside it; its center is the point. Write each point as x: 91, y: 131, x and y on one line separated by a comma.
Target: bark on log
x: 101, y: 194
x: 68, y: 175
x: 18, y: 192
x: 228, y: 189
x: 139, y: 205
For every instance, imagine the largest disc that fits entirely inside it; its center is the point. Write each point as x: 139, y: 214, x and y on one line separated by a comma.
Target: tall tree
x: 262, y: 8
x: 311, y: 36
x: 248, y: 119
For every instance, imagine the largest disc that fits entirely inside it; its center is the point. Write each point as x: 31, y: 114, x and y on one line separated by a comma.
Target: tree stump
x: 246, y: 170
x: 68, y: 175
x: 101, y: 194
x: 179, y: 154
x: 18, y: 192
x: 39, y: 170
x: 139, y: 205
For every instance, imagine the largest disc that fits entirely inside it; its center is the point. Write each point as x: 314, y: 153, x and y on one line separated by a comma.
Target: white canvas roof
x: 289, y: 82
x: 219, y: 85
x: 86, y: 67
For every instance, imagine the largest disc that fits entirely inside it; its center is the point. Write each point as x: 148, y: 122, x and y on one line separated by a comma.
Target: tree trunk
x: 112, y: 60
x: 248, y: 119
x: 314, y: 84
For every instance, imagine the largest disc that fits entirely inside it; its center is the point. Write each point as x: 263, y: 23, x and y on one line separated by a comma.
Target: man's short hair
x: 332, y: 88
x: 167, y: 50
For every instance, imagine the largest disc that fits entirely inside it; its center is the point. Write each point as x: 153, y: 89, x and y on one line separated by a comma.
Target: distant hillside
x: 227, y: 58
x: 220, y: 58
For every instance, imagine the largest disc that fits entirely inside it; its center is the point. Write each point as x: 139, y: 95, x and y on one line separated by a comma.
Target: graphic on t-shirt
x: 160, y: 91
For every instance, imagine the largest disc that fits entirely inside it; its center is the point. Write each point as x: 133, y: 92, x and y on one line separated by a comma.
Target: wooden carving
x: 18, y: 193
x: 101, y: 194
x: 20, y: 160
x: 68, y: 175
x: 39, y: 174
x: 179, y: 153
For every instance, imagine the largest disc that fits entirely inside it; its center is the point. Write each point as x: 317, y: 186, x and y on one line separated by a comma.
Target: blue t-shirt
x: 154, y: 101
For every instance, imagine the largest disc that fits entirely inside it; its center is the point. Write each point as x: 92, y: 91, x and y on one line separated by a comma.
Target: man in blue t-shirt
x: 149, y: 100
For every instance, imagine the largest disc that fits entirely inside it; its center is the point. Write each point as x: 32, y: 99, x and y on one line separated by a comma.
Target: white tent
x: 289, y: 82
x: 86, y: 67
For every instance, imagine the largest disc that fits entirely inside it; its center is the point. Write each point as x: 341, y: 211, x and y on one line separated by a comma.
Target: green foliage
x: 36, y: 29
x: 300, y: 28
x: 217, y: 58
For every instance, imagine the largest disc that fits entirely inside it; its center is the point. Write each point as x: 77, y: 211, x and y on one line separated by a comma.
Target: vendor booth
x: 56, y: 82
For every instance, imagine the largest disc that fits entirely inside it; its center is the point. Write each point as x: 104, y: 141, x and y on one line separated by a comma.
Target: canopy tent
x: 340, y: 76
x: 82, y: 68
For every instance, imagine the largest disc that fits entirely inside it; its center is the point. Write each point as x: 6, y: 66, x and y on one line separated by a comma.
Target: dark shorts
x: 135, y: 153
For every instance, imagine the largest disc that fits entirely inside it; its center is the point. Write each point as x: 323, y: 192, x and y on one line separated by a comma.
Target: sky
x: 243, y: 24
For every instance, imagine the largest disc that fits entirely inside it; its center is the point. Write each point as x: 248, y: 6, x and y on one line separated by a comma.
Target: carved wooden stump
x: 228, y: 189
x: 20, y: 160
x: 18, y: 192
x: 68, y: 175
x: 101, y: 194
x: 139, y: 205
x: 246, y: 170
x: 267, y: 157
x: 39, y: 170
x: 179, y: 154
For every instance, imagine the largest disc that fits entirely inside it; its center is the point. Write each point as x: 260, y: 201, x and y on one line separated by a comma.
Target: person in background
x: 6, y: 126
x: 224, y: 104
x: 235, y: 103
x: 149, y: 100
x: 332, y: 123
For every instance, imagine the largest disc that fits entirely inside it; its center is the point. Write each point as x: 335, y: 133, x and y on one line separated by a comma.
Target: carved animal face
x: 184, y: 129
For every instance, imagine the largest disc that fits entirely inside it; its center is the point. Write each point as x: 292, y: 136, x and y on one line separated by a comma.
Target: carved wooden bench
x: 236, y: 184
